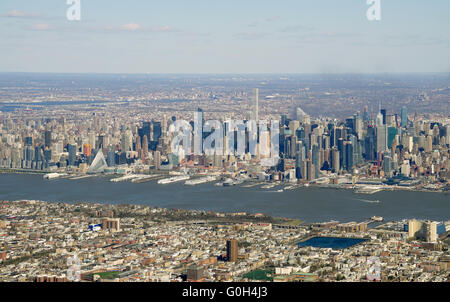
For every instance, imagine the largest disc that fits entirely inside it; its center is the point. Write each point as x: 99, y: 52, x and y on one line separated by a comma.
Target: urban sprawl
x: 132, y: 139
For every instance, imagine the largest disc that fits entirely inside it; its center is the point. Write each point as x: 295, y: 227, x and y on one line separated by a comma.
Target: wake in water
x: 369, y: 201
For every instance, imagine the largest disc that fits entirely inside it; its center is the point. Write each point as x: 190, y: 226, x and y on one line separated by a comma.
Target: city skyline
x: 245, y: 143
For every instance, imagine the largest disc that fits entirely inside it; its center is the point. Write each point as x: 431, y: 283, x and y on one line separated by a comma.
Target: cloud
x: 273, y: 19
x: 41, y: 26
x: 131, y: 27
x: 134, y: 27
x: 20, y: 14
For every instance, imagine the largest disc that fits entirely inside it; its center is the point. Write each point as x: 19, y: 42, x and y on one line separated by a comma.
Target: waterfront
x: 331, y: 242
x: 308, y: 204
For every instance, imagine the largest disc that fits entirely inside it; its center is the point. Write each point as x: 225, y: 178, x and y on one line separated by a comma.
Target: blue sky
x: 246, y: 36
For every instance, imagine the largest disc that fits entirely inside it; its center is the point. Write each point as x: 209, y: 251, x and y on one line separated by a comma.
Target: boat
x: 377, y: 218
x: 54, y: 175
x: 369, y: 201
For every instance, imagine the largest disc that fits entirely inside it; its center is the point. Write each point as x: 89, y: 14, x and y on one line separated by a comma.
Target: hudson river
x: 308, y: 204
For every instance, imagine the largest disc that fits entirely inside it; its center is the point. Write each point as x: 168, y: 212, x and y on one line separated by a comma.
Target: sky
x: 232, y: 36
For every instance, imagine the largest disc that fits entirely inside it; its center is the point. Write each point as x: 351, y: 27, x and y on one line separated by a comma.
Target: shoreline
x: 246, y: 183
x: 253, y: 183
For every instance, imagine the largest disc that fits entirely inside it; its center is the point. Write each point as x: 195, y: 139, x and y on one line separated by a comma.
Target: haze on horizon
x: 238, y: 37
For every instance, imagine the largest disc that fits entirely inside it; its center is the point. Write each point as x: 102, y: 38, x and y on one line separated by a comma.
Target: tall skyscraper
x: 145, y: 130
x: 310, y: 170
x: 341, y: 148
x: 126, y: 143
x: 365, y: 113
x: 404, y: 117
x: 256, y: 117
x: 72, y: 149
x: 348, y: 156
x: 299, y: 159
x: 145, y: 144
x: 335, y: 160
x: 137, y: 143
x: 315, y: 160
x: 48, y: 139
x: 382, y: 137
x: 232, y: 250
x: 157, y: 130
x: 383, y: 114
x: 157, y: 160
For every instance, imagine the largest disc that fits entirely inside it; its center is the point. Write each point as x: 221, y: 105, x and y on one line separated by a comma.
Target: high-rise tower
x: 256, y: 105
x: 232, y: 250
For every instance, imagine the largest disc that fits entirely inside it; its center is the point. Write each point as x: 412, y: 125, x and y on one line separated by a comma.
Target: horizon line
x: 229, y: 73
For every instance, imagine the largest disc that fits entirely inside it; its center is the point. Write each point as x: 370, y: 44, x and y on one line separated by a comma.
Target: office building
x: 232, y: 250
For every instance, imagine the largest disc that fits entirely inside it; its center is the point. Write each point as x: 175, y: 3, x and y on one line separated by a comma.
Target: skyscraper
x: 340, y: 147
x: 145, y: 130
x: 157, y: 160
x: 299, y: 159
x: 256, y: 117
x: 404, y: 117
x: 348, y: 156
x: 145, y: 144
x: 232, y: 250
x: 315, y: 160
x: 48, y: 139
x: 126, y: 143
x: 335, y: 160
x: 72, y: 154
x: 382, y: 137
x: 157, y: 130
x: 137, y: 144
x: 383, y: 114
